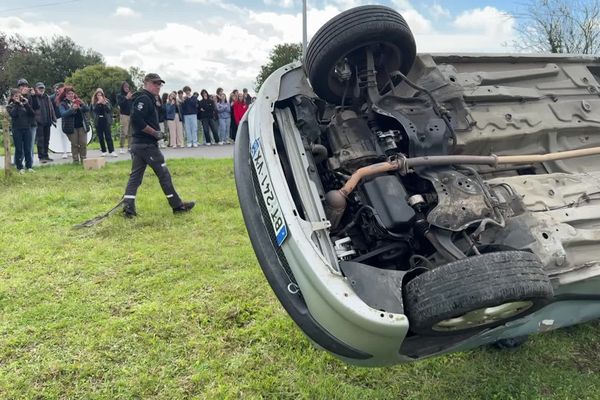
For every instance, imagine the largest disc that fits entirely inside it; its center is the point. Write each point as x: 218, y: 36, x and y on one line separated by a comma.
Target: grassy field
x: 165, y: 307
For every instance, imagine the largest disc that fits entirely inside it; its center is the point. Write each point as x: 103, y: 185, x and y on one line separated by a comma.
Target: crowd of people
x: 187, y: 119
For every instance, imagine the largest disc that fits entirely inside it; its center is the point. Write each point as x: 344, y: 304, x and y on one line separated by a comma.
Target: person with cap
x: 21, y: 112
x: 44, y: 116
x: 145, y: 151
x: 29, y: 94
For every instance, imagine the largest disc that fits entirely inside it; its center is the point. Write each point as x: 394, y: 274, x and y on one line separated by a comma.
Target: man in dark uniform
x: 145, y: 151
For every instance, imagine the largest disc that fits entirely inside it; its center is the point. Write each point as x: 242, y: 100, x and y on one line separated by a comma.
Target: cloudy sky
x: 212, y: 43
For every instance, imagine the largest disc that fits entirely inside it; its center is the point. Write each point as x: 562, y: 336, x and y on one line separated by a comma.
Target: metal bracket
x: 320, y: 225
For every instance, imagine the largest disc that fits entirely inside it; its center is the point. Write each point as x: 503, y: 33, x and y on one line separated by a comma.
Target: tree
x: 49, y: 61
x: 88, y: 79
x: 279, y: 56
x: 10, y: 47
x: 560, y: 26
x: 137, y: 76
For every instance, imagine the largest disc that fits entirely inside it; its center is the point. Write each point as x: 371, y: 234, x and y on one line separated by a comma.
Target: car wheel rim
x: 483, y: 316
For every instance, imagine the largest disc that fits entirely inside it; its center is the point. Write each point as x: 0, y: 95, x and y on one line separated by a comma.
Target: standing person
x: 247, y: 97
x: 206, y: 114
x: 74, y: 122
x: 145, y: 151
x: 233, y: 128
x: 44, y: 117
x: 21, y: 112
x: 239, y: 109
x: 29, y: 94
x: 161, y: 120
x: 64, y: 140
x: 189, y: 109
x: 102, y: 111
x: 124, y: 102
x: 224, y: 114
x: 174, y: 121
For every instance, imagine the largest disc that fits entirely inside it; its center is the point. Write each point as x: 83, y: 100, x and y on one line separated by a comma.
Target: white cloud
x: 280, y: 3
x: 488, y: 20
x: 15, y: 25
x: 415, y: 20
x: 125, y: 12
x: 439, y: 12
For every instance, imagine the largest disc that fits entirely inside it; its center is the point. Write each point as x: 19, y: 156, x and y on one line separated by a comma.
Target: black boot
x: 184, y: 207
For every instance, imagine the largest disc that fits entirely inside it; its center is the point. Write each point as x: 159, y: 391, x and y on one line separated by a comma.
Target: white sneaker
x: 195, y: 145
x: 29, y: 170
x: 221, y: 143
x: 103, y: 155
x: 189, y: 145
x: 64, y: 155
x: 122, y: 151
x: 113, y: 154
x: 207, y: 144
x: 21, y: 171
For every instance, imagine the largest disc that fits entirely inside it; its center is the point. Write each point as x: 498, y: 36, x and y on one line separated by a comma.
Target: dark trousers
x: 214, y: 128
x: 43, y: 139
x: 22, y: 138
x: 233, y: 130
x: 149, y: 154
x: 103, y: 131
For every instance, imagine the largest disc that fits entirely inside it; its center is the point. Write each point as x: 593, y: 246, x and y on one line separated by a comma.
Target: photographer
x: 44, y: 117
x: 74, y: 122
x: 21, y: 113
x: 124, y: 102
x: 102, y: 111
x: 28, y: 93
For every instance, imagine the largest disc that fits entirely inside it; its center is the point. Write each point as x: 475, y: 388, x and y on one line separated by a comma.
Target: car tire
x: 476, y: 293
x: 510, y: 343
x: 350, y: 31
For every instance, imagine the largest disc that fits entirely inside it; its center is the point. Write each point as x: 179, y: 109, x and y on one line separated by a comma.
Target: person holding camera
x: 28, y: 93
x: 102, y: 111
x: 145, y: 151
x: 74, y: 122
x: 21, y: 113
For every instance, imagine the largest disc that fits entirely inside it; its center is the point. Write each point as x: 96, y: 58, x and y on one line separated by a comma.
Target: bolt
x: 508, y: 117
x: 551, y: 192
x: 445, y: 179
x: 584, y: 79
x: 586, y: 106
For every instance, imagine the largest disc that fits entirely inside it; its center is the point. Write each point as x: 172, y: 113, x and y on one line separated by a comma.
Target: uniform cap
x: 40, y: 85
x: 152, y: 77
x: 22, y: 82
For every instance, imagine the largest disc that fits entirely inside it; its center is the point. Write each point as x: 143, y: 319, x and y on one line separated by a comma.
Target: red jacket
x: 239, y: 109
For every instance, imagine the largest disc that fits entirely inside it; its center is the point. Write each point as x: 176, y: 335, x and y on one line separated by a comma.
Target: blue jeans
x: 22, y: 138
x: 224, y: 125
x: 190, y: 125
x: 33, y: 135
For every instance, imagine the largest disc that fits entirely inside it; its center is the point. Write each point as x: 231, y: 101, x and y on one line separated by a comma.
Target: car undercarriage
x: 456, y: 196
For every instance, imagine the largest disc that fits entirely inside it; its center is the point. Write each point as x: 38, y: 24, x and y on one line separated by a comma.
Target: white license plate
x: 266, y: 189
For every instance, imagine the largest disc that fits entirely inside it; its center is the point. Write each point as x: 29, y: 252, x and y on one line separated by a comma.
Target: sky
x: 223, y: 43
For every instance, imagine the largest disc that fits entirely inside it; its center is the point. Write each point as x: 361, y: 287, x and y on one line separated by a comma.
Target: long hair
x: 94, y: 96
x: 62, y: 93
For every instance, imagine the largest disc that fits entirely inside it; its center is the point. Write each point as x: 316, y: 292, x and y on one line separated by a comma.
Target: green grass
x: 165, y: 307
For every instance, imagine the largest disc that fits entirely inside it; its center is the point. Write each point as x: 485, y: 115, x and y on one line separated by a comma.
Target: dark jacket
x: 144, y: 112
x: 45, y: 114
x: 20, y: 115
x: 206, y: 109
x: 170, y: 111
x: 190, y: 106
x: 124, y: 103
x: 35, y: 105
x: 102, y: 111
x: 68, y: 116
x: 56, y: 106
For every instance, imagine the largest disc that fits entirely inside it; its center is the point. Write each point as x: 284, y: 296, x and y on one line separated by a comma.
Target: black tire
x: 350, y: 31
x: 510, y: 343
x: 438, y: 302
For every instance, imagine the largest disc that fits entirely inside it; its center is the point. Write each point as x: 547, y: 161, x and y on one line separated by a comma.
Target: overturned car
x: 405, y: 205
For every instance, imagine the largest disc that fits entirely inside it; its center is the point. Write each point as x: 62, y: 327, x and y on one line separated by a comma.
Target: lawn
x: 175, y: 307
